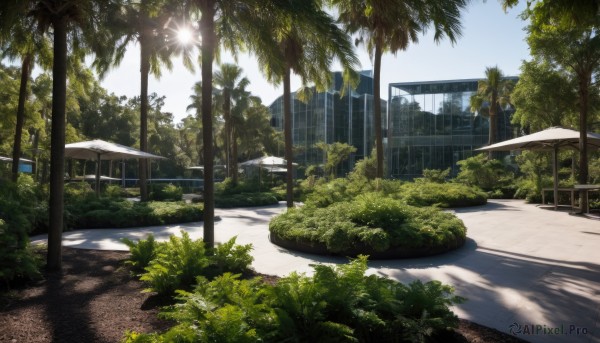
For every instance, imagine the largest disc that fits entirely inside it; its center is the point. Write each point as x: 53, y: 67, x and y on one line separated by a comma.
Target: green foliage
x: 536, y: 174
x: 441, y: 194
x: 115, y: 191
x: 336, y: 304
x: 18, y: 205
x: 165, y: 192
x: 245, y: 200
x: 487, y: 174
x: 176, y: 265
x: 78, y: 191
x: 335, y: 154
x: 229, y: 257
x: 370, y: 222
x: 142, y: 252
x: 116, y: 213
x: 418, y: 193
x: 436, y: 175
x: 365, y: 168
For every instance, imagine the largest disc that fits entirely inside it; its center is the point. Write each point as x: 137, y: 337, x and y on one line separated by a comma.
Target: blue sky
x: 490, y: 37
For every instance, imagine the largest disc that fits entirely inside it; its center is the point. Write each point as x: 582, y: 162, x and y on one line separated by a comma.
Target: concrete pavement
x: 525, y: 270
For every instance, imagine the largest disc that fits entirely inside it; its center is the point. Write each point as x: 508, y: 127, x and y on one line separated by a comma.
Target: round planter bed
x: 319, y: 248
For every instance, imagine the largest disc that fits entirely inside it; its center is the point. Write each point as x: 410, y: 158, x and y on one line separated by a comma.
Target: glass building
x: 328, y: 117
x: 431, y: 126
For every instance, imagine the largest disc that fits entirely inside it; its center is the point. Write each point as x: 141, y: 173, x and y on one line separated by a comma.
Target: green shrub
x: 436, y: 175
x: 423, y: 193
x: 18, y: 211
x: 165, y: 192
x: 115, y: 191
x: 245, y: 200
x: 78, y: 191
x: 370, y: 222
x: 336, y: 304
x: 229, y: 257
x: 487, y: 174
x: 142, y: 252
x: 176, y: 265
x: 119, y: 213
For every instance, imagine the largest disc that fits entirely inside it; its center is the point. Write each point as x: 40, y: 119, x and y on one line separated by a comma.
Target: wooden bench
x: 586, y: 189
x: 560, y: 189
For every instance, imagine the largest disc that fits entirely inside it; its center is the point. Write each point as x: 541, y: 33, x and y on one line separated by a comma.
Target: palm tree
x: 146, y: 22
x: 229, y: 78
x: 22, y: 42
x: 493, y: 93
x: 70, y: 21
x: 391, y: 25
x: 308, y: 41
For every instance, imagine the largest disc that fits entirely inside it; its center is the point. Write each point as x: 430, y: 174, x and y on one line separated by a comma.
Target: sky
x: 490, y: 37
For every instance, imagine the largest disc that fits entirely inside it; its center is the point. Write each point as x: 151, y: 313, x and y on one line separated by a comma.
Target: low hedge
x: 381, y: 227
x: 245, y: 200
x: 119, y: 213
x: 417, y: 193
x: 441, y: 194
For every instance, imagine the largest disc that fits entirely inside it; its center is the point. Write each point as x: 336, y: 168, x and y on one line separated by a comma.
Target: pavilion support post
x: 97, y: 175
x: 555, y: 174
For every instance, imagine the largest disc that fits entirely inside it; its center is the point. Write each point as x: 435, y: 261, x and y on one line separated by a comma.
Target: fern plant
x: 176, y: 265
x: 229, y: 257
x: 142, y: 252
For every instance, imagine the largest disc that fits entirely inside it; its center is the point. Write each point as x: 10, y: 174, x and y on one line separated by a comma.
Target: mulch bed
x: 95, y: 299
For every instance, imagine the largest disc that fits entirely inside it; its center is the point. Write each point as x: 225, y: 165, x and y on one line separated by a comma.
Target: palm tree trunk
x: 287, y: 133
x: 57, y: 142
x: 227, y: 128
x: 377, y: 108
x: 584, y: 96
x: 493, y: 120
x: 144, y: 71
x: 207, y: 30
x: 234, y: 156
x: 25, y: 70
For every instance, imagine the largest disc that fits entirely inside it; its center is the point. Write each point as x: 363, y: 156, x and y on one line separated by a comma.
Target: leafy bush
x: 245, y: 200
x: 175, y: 265
x: 336, y: 304
x: 487, y: 174
x: 165, y: 192
x: 117, y: 213
x: 18, y: 214
x: 142, y: 252
x: 115, y: 191
x: 370, y: 223
x: 423, y: 193
x: 436, y: 175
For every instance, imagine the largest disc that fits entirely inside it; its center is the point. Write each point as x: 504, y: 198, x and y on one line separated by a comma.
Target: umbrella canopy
x: 102, y: 150
x: 266, y: 160
x: 550, y: 139
x: 93, y: 177
x: 9, y: 160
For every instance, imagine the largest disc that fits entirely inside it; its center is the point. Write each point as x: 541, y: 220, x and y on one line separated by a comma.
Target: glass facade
x: 328, y: 117
x: 431, y: 126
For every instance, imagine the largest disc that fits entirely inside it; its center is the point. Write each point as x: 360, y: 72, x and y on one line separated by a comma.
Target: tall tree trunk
x: 144, y: 71
x: 209, y: 41
x: 287, y: 133
x: 227, y: 128
x: 234, y: 156
x: 57, y: 142
x: 493, y: 120
x: 25, y: 71
x: 377, y: 108
x: 584, y: 98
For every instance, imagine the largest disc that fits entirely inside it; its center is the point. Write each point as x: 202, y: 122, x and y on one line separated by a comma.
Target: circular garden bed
x: 370, y: 224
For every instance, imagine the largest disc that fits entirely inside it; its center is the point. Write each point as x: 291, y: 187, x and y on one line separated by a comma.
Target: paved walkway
x: 521, y: 266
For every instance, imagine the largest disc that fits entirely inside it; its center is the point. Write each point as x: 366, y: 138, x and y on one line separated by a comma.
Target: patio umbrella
x: 101, y: 150
x: 271, y: 163
x: 550, y: 139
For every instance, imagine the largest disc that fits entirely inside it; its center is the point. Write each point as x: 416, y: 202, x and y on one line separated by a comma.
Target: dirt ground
x: 94, y: 299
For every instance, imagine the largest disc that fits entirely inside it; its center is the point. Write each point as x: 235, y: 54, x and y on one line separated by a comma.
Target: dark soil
x: 95, y: 299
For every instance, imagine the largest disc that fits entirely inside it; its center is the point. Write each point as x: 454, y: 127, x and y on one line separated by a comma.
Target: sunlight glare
x: 184, y: 35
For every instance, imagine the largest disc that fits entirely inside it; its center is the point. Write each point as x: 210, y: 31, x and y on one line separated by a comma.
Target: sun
x: 185, y: 35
